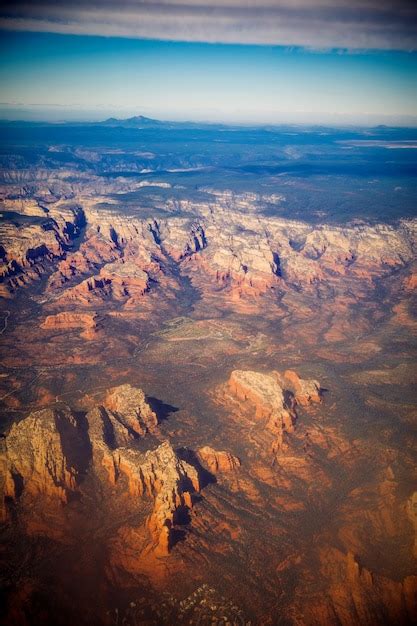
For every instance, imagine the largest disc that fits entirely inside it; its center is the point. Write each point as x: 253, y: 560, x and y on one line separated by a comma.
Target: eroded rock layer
x: 50, y: 452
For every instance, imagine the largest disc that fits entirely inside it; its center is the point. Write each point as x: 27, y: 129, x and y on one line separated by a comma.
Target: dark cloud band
x: 351, y: 24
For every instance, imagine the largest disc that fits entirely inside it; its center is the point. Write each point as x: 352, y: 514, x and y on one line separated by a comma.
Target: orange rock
x: 35, y: 458
x: 354, y: 590
x: 71, y: 321
x: 305, y: 391
x: 131, y: 408
x: 266, y: 395
x: 161, y: 474
x: 217, y: 461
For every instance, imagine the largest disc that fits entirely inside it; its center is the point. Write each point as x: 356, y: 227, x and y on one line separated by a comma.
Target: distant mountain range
x: 140, y: 121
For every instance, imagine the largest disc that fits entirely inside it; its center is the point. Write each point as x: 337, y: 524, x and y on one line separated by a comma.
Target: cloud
x: 319, y: 24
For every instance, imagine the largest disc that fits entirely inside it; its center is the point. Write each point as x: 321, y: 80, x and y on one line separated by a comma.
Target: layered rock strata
x: 47, y: 454
x: 264, y: 393
x: 216, y: 461
x: 69, y: 320
x: 274, y: 397
x: 37, y: 458
x: 130, y: 406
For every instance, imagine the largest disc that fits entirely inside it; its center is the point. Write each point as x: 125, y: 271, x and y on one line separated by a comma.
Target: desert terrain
x: 208, y: 403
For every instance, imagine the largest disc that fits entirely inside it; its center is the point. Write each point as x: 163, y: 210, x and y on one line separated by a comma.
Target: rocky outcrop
x: 42, y: 456
x: 274, y: 397
x: 265, y: 394
x: 105, y: 433
x: 217, y: 460
x: 29, y: 247
x: 305, y: 391
x: 227, y: 249
x: 169, y: 480
x: 129, y: 405
x: 412, y: 516
x: 125, y: 416
x: 126, y: 279
x: 46, y: 455
x: 158, y: 473
x: 92, y: 254
x: 119, y: 282
x: 221, y: 245
x: 68, y: 321
x: 355, y: 591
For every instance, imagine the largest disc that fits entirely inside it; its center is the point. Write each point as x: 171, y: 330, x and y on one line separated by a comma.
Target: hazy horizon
x: 73, y: 114
x: 309, y: 61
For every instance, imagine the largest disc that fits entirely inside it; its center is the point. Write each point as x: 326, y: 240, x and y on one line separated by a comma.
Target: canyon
x: 208, y: 407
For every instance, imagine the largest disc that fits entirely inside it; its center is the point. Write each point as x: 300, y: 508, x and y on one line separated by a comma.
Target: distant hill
x: 137, y: 121
x: 140, y: 121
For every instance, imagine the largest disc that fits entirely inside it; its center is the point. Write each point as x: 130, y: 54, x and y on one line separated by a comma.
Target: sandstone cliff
x: 274, y: 397
x: 42, y: 456
x: 67, y: 320
x: 266, y: 396
x: 48, y: 453
x: 354, y: 590
x: 131, y: 408
x: 217, y: 460
x: 28, y: 249
x: 305, y: 391
x: 169, y: 480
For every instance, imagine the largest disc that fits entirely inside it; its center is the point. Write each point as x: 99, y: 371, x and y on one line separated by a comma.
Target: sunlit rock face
x: 85, y: 322
x: 131, y: 408
x: 267, y: 397
x: 28, y: 250
x: 38, y: 462
x: 169, y: 480
x: 48, y: 454
x: 158, y: 473
x: 219, y: 249
x: 217, y: 460
x: 305, y: 391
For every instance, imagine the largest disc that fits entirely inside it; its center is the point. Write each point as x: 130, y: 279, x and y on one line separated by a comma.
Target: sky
x: 263, y: 61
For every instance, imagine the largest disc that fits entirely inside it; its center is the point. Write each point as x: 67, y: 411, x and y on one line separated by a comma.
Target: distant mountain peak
x: 138, y: 121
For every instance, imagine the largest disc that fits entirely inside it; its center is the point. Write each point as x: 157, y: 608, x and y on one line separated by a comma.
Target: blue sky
x: 47, y: 75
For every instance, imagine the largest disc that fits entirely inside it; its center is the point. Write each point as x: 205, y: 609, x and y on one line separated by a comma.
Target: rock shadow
x: 190, y: 457
x: 162, y: 409
x: 74, y: 438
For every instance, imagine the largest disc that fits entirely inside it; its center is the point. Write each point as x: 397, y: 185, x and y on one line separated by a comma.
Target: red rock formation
x: 29, y: 249
x: 266, y: 395
x: 92, y: 254
x: 412, y: 516
x: 305, y: 391
x: 159, y: 473
x: 171, y: 482
x: 68, y: 320
x: 46, y: 453
x: 356, y: 595
x: 410, y: 283
x: 36, y: 457
x: 126, y: 414
x: 236, y: 278
x: 120, y: 281
x: 217, y: 461
x: 105, y: 433
x: 127, y: 279
x: 131, y: 409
